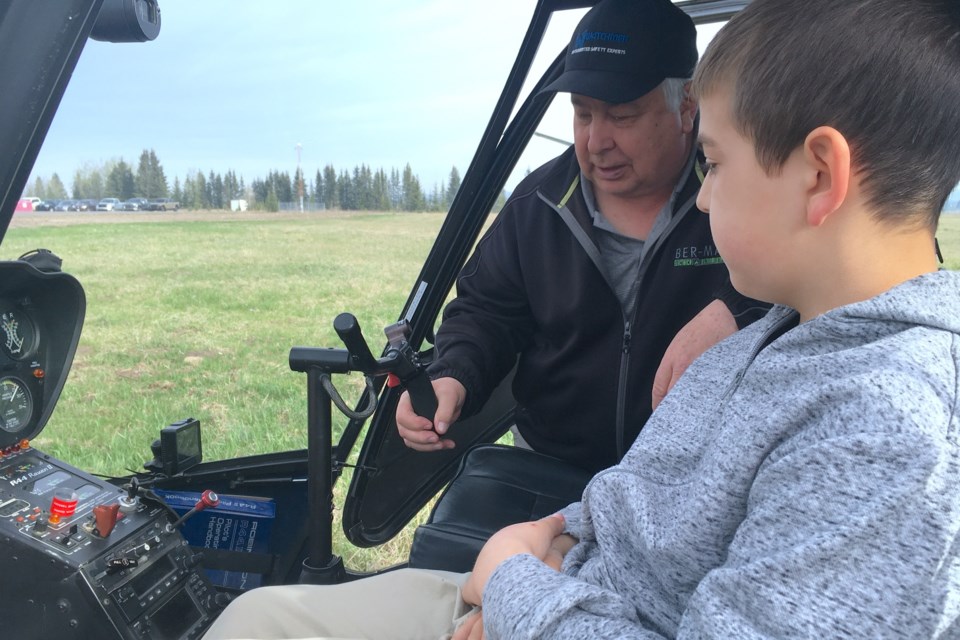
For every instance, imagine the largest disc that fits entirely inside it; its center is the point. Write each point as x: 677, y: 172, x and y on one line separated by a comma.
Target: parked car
x: 163, y: 204
x: 108, y: 204
x: 86, y: 205
x: 67, y: 205
x: 134, y: 204
x: 46, y: 205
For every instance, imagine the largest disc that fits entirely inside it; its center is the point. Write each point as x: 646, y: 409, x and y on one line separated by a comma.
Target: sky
x: 238, y: 84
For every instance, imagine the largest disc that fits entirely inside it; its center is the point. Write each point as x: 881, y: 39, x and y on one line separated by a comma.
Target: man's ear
x: 827, y: 156
x: 688, y: 109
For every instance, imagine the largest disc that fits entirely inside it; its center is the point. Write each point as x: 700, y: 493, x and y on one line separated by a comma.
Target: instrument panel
x: 41, y: 313
x: 20, y: 372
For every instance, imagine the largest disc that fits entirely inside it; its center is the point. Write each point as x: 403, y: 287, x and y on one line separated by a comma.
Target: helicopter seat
x: 495, y: 486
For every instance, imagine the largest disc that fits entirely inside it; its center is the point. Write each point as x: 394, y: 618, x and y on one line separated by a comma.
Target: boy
x: 803, y: 477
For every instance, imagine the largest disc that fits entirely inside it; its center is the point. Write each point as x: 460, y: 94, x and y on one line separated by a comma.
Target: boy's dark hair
x: 884, y: 73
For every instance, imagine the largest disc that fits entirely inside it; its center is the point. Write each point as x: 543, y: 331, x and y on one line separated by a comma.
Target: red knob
x: 207, y: 499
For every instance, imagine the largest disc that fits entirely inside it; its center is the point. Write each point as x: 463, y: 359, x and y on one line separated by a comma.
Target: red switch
x: 106, y: 518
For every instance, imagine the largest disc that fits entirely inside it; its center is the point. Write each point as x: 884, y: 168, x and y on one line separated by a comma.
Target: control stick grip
x: 422, y: 397
x: 348, y: 329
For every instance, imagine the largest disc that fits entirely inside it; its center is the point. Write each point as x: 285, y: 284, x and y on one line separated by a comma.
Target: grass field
x: 196, y: 317
x: 195, y: 314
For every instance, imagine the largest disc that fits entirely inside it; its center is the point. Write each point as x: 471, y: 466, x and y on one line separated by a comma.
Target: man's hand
x: 542, y: 538
x: 418, y: 432
x: 710, y: 326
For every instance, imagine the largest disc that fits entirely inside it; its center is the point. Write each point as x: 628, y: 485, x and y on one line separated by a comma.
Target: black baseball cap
x: 624, y: 48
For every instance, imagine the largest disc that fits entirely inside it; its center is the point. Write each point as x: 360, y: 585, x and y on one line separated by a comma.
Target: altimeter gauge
x: 18, y: 334
x: 16, y: 405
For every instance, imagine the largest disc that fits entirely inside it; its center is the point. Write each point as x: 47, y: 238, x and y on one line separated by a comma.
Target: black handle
x: 422, y: 397
x: 348, y: 329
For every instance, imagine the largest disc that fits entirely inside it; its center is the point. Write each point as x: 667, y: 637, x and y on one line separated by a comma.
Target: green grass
x: 198, y: 318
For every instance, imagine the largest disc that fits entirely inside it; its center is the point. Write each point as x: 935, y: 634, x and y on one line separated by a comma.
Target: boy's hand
x: 538, y: 538
x: 558, y: 549
x: 418, y: 432
x: 471, y: 629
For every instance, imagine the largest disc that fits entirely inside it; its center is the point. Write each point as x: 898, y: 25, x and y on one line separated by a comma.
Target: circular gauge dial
x: 18, y: 334
x: 16, y: 405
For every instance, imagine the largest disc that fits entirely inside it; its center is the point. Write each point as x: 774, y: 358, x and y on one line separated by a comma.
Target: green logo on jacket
x: 696, y: 256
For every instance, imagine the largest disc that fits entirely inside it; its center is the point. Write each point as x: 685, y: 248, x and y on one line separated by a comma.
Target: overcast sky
x: 237, y: 84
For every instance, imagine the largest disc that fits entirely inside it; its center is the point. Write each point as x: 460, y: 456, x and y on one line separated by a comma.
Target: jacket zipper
x: 622, y: 391
x: 592, y: 252
x: 648, y: 259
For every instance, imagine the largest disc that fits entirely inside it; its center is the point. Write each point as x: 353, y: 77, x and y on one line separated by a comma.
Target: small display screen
x: 175, y: 617
x: 87, y: 491
x: 49, y: 482
x: 188, y: 443
x: 145, y: 581
x: 180, y: 446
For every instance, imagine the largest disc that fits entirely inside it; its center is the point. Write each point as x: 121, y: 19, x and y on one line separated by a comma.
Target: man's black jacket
x: 585, y: 372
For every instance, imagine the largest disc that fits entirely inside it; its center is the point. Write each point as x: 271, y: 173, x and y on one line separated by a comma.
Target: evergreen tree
x: 201, y: 198
x: 120, y: 181
x: 363, y: 186
x: 281, y: 185
x: 217, y: 201
x: 396, y: 189
x: 272, y: 203
x: 55, y: 189
x: 231, y: 188
x: 88, y: 183
x: 330, y: 195
x: 177, y: 191
x: 413, y: 199
x: 381, y: 191
x: 189, y: 199
x: 39, y: 190
x: 143, y: 179
x: 260, y: 190
x: 150, y: 181
x: 77, y: 185
x: 159, y: 178
x: 453, y: 186
x: 346, y: 195
x: 317, y: 190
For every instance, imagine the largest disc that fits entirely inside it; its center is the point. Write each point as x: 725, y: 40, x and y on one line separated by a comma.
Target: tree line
x: 362, y: 189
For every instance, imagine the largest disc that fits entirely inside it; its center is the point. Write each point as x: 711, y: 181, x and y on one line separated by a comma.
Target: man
x: 597, y: 261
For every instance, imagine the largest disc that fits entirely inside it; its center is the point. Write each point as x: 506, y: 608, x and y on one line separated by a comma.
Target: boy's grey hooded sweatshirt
x: 809, y: 488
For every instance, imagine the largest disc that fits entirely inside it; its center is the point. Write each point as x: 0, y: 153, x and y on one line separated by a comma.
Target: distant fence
x: 307, y: 206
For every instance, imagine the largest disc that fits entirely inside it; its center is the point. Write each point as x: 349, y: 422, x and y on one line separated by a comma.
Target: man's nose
x: 601, y: 136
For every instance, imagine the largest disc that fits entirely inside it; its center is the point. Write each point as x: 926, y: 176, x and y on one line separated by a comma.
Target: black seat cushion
x: 495, y: 486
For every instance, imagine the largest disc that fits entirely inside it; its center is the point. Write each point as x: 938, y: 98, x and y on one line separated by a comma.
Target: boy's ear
x: 827, y: 156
